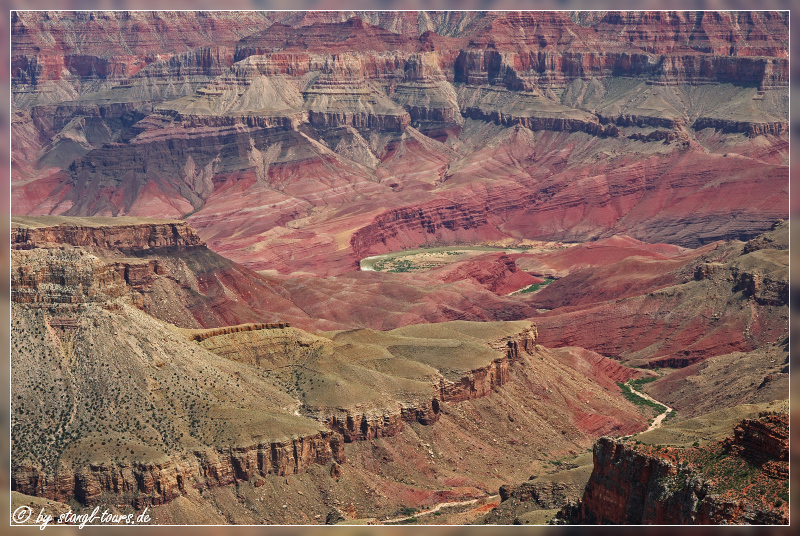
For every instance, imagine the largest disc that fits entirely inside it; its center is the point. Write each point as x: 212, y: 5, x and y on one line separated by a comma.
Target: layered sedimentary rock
x: 352, y: 407
x: 316, y: 124
x: 627, y: 488
x: 149, y: 484
x: 477, y: 383
x: 237, y: 329
x: 181, y: 281
x: 355, y: 425
x: 498, y: 273
x: 631, y: 486
x: 115, y: 45
x: 54, y: 278
x: 761, y: 440
x: 114, y: 235
x: 543, y: 494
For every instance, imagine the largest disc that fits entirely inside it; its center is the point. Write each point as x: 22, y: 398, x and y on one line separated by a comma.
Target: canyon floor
x: 401, y: 267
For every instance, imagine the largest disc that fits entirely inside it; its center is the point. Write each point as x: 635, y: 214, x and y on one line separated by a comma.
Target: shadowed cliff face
x: 741, y: 480
x: 352, y: 137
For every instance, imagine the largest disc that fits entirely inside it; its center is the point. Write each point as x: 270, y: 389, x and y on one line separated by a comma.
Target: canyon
x: 73, y: 296
x: 196, y: 328
x: 300, y: 146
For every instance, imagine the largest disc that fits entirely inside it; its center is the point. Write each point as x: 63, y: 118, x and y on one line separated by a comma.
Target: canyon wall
x: 129, y: 238
x: 629, y: 486
x: 154, y: 483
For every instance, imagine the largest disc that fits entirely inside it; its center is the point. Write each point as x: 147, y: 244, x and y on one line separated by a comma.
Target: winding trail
x: 657, y: 421
x: 439, y: 506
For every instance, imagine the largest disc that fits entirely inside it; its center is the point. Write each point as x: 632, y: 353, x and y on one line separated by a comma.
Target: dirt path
x: 657, y: 421
x: 439, y: 507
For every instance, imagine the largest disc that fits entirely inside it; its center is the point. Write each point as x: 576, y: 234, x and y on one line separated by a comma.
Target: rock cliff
x: 155, y: 483
x: 639, y: 485
x: 546, y: 495
x: 167, y: 237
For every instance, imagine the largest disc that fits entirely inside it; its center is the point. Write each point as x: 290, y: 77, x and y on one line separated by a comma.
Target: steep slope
x: 740, y: 480
x: 134, y: 411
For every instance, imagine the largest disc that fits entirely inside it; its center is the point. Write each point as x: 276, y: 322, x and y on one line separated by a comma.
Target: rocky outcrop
x: 674, y: 361
x: 286, y: 121
x: 762, y: 288
x: 55, y: 266
x: 532, y: 122
x: 56, y: 278
x: 556, y: 69
x: 545, y: 495
x: 761, y: 440
x: 401, y: 227
x: 356, y: 424
x: 751, y: 128
x: 496, y: 272
x: 380, y: 122
x: 176, y: 236
x: 477, y: 383
x: 481, y: 382
x: 237, y: 329
x: 627, y: 487
x: 630, y: 486
x: 360, y: 425
x: 775, y: 238
x: 154, y: 483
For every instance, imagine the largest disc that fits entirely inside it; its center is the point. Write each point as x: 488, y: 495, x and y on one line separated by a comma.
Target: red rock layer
x: 496, y: 272
x: 367, y: 76
x: 115, y: 43
x: 761, y: 440
x: 661, y: 311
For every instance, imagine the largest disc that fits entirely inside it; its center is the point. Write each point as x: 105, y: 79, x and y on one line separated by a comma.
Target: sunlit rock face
x: 358, y: 133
